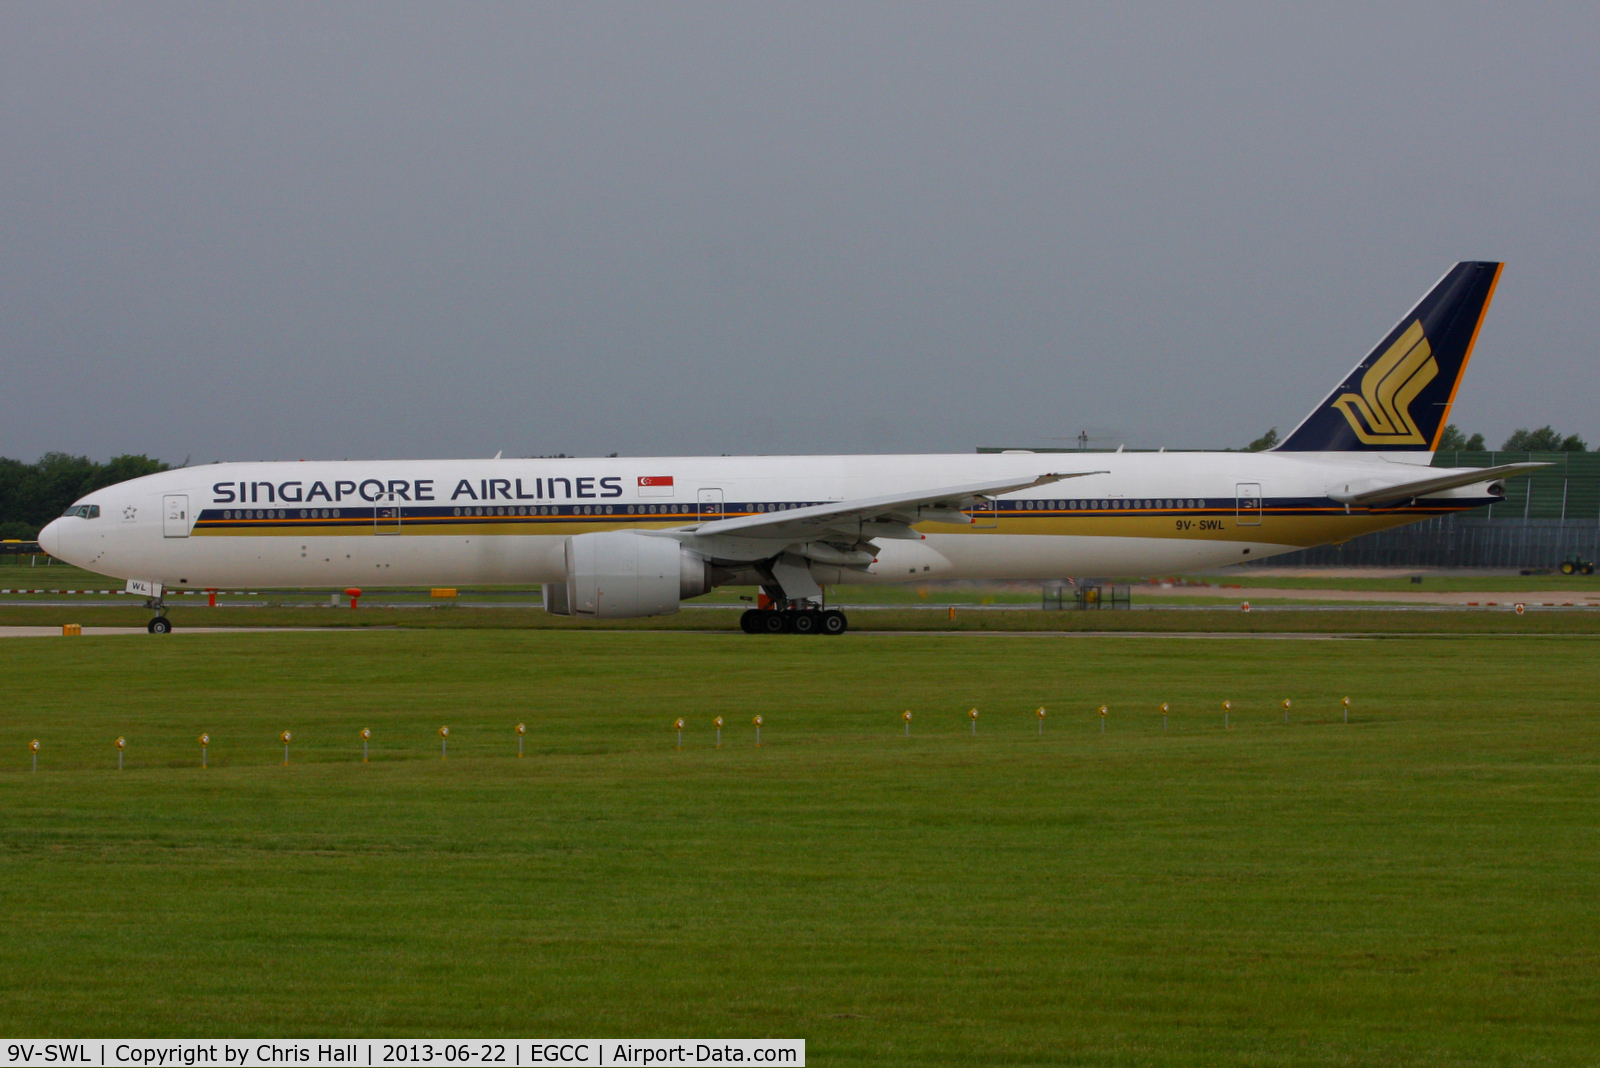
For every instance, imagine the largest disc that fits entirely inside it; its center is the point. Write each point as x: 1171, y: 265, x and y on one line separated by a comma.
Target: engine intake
x: 620, y: 574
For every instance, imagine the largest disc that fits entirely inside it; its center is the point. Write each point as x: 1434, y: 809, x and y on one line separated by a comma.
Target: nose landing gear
x: 161, y: 624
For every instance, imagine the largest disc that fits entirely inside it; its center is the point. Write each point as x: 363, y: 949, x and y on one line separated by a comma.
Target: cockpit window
x: 83, y: 511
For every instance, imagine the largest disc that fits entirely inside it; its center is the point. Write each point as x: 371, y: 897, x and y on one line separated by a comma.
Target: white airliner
x: 613, y: 538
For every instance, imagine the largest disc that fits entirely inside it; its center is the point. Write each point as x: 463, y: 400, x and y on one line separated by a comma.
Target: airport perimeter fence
x: 1456, y: 541
x: 1568, y: 489
x: 1545, y: 517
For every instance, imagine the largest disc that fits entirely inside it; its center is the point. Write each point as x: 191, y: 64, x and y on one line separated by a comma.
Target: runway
x: 102, y: 632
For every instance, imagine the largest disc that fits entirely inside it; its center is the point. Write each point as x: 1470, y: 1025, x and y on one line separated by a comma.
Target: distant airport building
x: 1545, y: 518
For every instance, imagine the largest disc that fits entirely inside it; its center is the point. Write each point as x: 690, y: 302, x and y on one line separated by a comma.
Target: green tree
x: 1453, y: 440
x: 33, y: 494
x: 1264, y: 442
x: 1545, y: 439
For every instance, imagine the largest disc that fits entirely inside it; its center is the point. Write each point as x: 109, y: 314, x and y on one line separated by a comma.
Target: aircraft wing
x: 1421, y: 488
x: 939, y: 505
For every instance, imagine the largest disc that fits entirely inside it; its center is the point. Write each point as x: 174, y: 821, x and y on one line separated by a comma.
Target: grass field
x: 502, y: 607
x: 15, y: 573
x: 1418, y: 887
x: 1343, y: 619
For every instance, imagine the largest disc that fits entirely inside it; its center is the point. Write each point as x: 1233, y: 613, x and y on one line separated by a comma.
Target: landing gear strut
x: 161, y: 624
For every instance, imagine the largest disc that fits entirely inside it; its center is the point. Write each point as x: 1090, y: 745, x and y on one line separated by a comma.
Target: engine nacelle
x: 618, y: 574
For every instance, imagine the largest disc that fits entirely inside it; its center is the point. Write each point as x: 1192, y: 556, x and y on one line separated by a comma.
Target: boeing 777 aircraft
x: 620, y: 537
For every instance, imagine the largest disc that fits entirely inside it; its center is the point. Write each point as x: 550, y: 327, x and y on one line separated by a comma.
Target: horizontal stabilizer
x: 1421, y: 488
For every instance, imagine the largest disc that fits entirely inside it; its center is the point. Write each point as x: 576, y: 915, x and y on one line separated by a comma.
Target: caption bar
x: 314, y: 1053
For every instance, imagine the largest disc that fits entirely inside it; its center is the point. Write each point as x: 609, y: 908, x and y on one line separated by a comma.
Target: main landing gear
x: 793, y: 621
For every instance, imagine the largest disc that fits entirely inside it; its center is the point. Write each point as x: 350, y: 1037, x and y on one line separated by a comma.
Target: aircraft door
x: 710, y: 504
x: 1249, y: 506
x: 175, y: 515
x: 386, y: 514
x: 985, y: 514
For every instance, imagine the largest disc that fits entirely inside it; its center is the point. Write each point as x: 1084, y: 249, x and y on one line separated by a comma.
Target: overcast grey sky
x: 325, y: 231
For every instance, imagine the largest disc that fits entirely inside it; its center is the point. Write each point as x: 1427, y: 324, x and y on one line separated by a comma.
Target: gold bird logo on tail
x: 1381, y: 415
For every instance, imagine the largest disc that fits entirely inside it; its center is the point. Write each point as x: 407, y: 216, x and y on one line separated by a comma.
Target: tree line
x: 33, y: 494
x: 1544, y: 439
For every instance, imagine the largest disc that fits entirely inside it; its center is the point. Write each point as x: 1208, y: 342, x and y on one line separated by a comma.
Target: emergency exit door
x: 1249, y: 512
x: 386, y: 515
x: 710, y: 504
x: 175, y: 515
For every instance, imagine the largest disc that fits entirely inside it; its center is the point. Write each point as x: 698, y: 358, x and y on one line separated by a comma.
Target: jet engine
x: 620, y: 574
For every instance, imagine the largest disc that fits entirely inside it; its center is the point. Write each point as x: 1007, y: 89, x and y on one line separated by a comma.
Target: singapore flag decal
x: 655, y: 485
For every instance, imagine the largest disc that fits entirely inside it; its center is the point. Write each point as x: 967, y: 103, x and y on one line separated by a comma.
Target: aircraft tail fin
x: 1398, y: 399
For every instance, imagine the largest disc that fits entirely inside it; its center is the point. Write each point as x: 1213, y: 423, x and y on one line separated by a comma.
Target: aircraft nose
x: 50, y: 538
